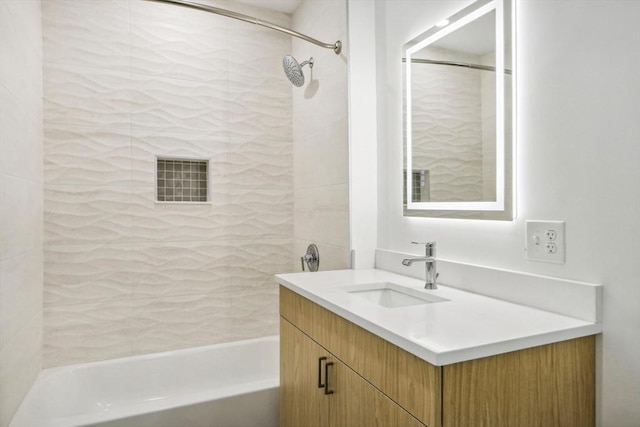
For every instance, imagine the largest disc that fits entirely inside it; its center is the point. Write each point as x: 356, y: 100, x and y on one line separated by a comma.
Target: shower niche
x: 182, y: 180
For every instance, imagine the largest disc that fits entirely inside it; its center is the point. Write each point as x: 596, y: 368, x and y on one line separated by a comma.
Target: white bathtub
x: 223, y: 385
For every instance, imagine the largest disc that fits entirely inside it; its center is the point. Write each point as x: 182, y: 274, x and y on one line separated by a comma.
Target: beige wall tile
x: 87, y: 156
x: 77, y: 215
x: 181, y: 268
x: 169, y: 323
x: 81, y: 274
x: 20, y: 293
x: 20, y: 137
x: 175, y: 105
x: 78, y: 333
x: 20, y: 364
x: 20, y: 216
x: 87, y: 33
x: 86, y: 97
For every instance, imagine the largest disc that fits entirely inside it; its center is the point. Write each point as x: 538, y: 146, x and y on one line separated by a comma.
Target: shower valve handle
x: 312, y: 258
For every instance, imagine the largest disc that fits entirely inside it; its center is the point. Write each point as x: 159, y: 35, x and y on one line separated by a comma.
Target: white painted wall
x: 578, y: 161
x: 362, y: 132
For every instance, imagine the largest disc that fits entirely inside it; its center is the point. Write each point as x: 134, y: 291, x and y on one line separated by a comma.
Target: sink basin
x: 391, y: 295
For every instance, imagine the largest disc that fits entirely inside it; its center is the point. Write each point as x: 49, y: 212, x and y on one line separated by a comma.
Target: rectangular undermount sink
x: 391, y: 295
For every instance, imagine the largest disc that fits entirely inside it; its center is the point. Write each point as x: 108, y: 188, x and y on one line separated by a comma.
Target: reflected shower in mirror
x: 458, y: 142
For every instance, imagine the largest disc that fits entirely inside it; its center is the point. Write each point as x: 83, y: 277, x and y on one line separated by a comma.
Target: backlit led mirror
x: 458, y: 114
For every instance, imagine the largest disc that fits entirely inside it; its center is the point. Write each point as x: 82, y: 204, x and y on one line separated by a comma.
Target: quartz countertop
x: 467, y: 326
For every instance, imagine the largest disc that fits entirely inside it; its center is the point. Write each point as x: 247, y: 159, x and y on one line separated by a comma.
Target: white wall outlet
x: 545, y: 241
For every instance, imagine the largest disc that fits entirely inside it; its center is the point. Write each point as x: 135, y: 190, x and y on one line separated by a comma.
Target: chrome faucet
x: 429, y: 258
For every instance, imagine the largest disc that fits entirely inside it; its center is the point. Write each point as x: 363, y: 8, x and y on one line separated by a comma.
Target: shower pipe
x: 337, y: 46
x: 454, y: 64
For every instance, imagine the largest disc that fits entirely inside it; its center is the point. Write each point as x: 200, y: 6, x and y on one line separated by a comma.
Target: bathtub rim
x: 23, y: 417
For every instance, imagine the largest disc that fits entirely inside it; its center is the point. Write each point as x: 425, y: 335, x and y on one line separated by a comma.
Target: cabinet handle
x: 320, y: 359
x: 326, y: 378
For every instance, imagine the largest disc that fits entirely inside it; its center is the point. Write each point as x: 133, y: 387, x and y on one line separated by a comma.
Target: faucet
x: 429, y: 259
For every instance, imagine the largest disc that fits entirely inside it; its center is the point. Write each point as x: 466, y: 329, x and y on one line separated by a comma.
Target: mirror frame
x: 503, y: 207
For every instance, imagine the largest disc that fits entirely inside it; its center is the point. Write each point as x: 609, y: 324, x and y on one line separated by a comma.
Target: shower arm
x: 337, y: 46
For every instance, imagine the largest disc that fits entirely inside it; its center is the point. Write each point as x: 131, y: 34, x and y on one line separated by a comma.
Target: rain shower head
x: 293, y: 70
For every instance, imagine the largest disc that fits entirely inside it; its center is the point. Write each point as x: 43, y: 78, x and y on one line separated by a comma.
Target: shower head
x: 293, y: 70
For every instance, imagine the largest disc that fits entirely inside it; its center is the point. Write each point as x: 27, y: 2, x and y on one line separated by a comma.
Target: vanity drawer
x: 408, y: 380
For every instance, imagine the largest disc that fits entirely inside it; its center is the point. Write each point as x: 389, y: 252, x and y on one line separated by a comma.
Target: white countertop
x: 468, y: 326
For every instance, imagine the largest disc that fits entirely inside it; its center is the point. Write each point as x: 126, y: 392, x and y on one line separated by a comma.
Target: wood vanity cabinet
x: 344, y: 400
x: 376, y: 383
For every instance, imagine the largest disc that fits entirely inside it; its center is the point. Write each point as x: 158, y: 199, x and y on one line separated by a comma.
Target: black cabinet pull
x: 326, y: 378
x: 320, y: 385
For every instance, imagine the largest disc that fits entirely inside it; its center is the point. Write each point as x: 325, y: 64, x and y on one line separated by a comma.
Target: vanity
x: 373, y: 348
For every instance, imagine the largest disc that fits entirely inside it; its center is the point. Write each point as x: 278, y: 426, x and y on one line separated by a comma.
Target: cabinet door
x: 302, y: 403
x: 356, y: 403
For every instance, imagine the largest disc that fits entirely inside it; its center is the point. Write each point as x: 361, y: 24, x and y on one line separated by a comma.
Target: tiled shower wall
x: 321, y: 137
x: 126, y: 81
x: 456, y: 174
x: 20, y: 201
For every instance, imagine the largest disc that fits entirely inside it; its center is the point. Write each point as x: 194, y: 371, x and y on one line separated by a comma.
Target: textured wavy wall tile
x: 255, y: 312
x: 264, y: 213
x: 273, y: 16
x: 181, y: 268
x: 455, y: 172
x: 263, y: 111
x: 178, y: 42
x: 87, y: 33
x: 255, y: 54
x: 75, y: 215
x: 255, y: 262
x: 85, y: 156
x: 78, y: 333
x: 78, y: 274
x: 162, y: 324
x: 177, y: 221
x: 181, y: 106
x: 86, y: 97
x: 255, y: 162
x: 147, y: 145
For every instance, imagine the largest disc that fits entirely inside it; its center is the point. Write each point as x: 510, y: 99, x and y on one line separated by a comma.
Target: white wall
x: 20, y: 201
x: 578, y: 160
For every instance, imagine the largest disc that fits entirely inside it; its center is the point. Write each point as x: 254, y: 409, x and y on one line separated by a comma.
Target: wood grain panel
x: 411, y: 382
x: 546, y: 386
x: 356, y: 403
x: 302, y: 403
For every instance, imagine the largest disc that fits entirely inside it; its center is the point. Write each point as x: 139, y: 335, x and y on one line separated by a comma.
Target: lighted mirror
x: 458, y: 113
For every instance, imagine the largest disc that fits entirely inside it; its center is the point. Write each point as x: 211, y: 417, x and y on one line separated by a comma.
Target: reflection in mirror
x: 458, y: 130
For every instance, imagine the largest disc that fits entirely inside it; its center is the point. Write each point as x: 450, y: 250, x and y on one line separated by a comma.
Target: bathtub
x: 223, y: 385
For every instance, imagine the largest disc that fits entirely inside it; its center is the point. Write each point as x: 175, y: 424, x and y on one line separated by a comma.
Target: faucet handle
x: 429, y: 248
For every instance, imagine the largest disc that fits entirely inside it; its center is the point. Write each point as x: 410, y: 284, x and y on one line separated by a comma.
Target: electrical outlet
x: 545, y: 241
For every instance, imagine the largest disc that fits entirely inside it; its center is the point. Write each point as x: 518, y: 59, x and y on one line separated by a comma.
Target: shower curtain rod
x: 337, y: 46
x: 454, y: 64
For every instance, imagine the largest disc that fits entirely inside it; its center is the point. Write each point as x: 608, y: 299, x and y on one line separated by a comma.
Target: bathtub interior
x: 91, y: 393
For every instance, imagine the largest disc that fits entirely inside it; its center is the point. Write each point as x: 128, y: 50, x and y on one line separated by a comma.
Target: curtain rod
x: 337, y: 46
x: 454, y: 64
